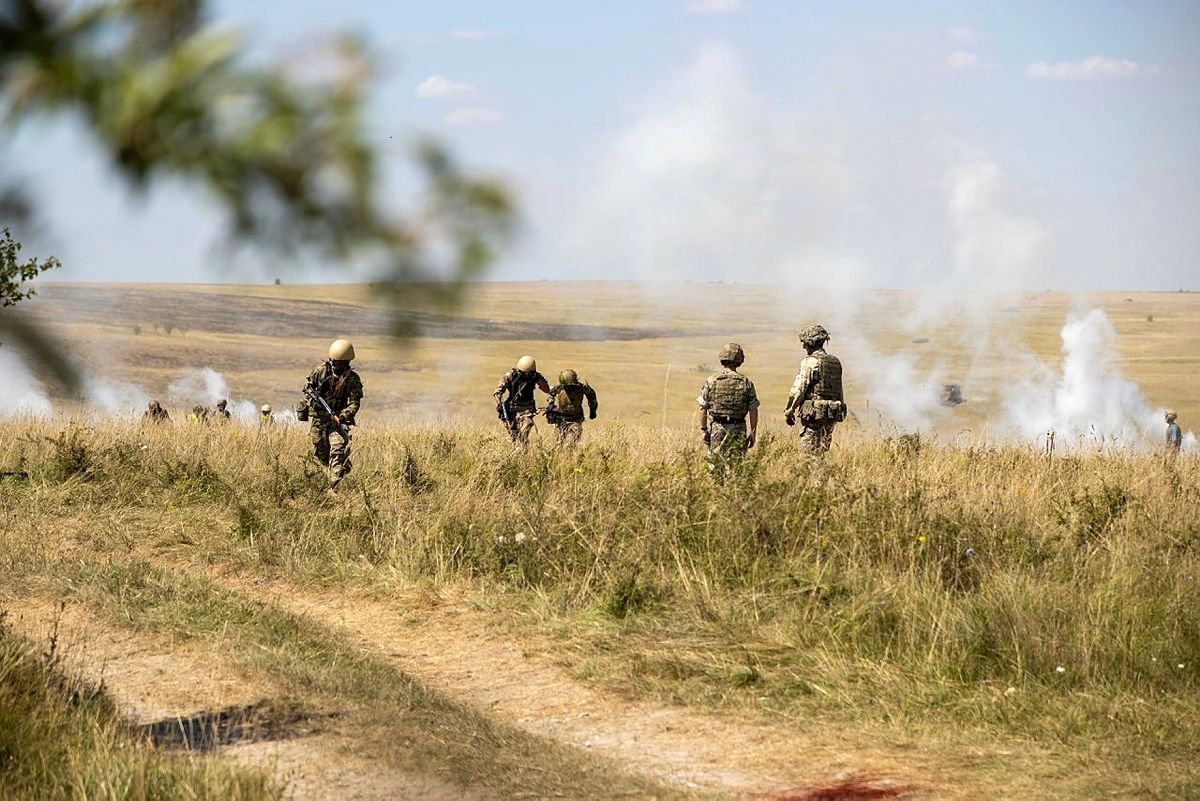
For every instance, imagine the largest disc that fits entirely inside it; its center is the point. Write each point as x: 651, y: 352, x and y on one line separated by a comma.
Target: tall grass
x: 898, y: 581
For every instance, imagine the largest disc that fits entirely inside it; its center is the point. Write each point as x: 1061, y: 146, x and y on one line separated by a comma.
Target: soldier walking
x: 265, y: 416
x: 515, y: 401
x: 222, y: 414
x: 155, y: 413
x: 566, y: 407
x: 726, y: 399
x: 816, y: 395
x: 341, y: 391
x: 1174, y: 434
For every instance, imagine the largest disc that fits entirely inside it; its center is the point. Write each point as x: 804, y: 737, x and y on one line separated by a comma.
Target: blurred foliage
x: 168, y: 95
x: 15, y: 274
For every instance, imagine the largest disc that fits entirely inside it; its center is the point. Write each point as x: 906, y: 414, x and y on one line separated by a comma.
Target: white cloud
x: 715, y: 7
x: 963, y: 34
x: 473, y: 34
x: 962, y: 61
x: 436, y: 86
x: 1092, y: 68
x: 472, y: 117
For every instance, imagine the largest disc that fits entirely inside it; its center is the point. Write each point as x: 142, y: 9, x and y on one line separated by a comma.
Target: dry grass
x: 645, y: 380
x: 973, y: 593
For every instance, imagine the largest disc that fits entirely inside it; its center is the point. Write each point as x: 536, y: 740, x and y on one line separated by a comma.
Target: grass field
x: 639, y: 345
x: 927, y: 616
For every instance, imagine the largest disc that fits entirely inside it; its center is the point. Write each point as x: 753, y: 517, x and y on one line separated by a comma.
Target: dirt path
x: 151, y: 680
x: 456, y: 650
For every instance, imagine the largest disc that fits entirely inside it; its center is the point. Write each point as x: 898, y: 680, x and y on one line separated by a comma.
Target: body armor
x: 829, y: 377
x: 730, y: 395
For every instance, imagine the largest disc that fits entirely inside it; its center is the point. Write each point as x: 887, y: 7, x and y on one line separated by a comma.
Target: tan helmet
x: 341, y: 351
x: 1170, y: 415
x: 266, y: 408
x: 568, y: 377
x: 153, y: 405
x: 733, y: 354
x: 526, y: 364
x: 814, y: 335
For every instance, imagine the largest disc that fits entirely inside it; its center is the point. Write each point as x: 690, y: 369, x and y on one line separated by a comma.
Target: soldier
x: 265, y: 416
x: 222, y: 413
x: 199, y: 415
x: 725, y: 401
x: 1174, y: 434
x: 817, y: 393
x: 566, y: 399
x: 155, y: 413
x: 340, y: 387
x: 519, y: 408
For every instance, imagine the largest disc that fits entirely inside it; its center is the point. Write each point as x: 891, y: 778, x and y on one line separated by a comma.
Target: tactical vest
x: 335, y: 389
x: 569, y: 401
x: 829, y: 378
x: 520, y: 389
x: 730, y: 395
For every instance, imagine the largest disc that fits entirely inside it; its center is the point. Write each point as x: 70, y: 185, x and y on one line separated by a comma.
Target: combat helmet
x: 527, y: 364
x: 813, y: 335
x: 1170, y: 415
x: 568, y: 377
x: 266, y: 408
x: 732, y: 354
x: 341, y: 351
x: 153, y: 406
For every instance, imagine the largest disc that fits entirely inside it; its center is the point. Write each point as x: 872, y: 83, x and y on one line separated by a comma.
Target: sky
x: 1016, y: 145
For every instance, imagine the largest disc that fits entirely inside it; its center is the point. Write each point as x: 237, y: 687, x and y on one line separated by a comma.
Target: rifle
x: 323, y: 411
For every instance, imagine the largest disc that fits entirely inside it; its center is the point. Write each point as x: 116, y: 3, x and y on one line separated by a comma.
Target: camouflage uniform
x: 155, y: 413
x: 222, y: 413
x: 817, y: 394
x: 1174, y: 435
x: 520, y: 402
x: 727, y: 397
x: 344, y: 395
x: 568, y: 396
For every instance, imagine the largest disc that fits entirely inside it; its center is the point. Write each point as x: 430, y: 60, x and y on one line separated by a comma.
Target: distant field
x: 644, y: 347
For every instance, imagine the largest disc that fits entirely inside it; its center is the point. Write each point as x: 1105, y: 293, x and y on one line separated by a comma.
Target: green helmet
x: 568, y: 377
x: 733, y: 354
x: 814, y: 335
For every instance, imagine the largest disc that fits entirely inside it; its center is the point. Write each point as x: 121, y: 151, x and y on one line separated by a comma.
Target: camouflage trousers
x: 726, y: 446
x: 816, y: 438
x: 569, y: 432
x: 332, y: 450
x: 522, y: 426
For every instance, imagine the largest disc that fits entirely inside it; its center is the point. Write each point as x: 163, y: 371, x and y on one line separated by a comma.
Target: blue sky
x: 981, y: 145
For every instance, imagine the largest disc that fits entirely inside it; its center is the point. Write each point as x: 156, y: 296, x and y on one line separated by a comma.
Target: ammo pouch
x: 820, y: 412
x: 302, y: 412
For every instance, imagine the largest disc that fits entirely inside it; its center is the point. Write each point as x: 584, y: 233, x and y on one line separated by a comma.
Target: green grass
x: 899, y: 588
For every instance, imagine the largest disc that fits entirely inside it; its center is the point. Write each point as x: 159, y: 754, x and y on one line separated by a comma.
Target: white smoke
x: 23, y: 395
x: 114, y: 397
x: 207, y: 386
x: 1088, y: 401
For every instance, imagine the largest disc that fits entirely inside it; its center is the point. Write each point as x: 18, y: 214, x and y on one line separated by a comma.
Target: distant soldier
x: 155, y: 413
x: 1174, y: 434
x: 816, y: 395
x: 515, y: 402
x: 341, y: 390
x: 726, y: 399
x: 265, y: 416
x: 566, y: 407
x: 222, y: 413
x: 199, y: 415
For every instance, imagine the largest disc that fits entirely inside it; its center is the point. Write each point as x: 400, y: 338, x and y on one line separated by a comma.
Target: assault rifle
x: 323, y: 411
x: 504, y: 413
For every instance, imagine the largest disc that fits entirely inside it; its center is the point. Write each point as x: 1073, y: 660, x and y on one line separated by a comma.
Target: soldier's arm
x: 354, y: 398
x: 502, y: 386
x: 543, y: 384
x: 703, y: 401
x: 593, y: 404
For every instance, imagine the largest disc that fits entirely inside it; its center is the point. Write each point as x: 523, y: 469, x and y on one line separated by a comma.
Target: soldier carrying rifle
x: 332, y: 396
x: 515, y: 403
